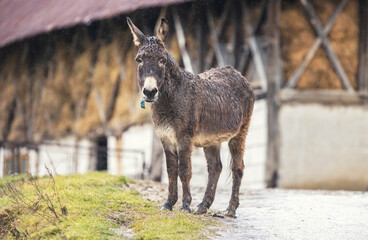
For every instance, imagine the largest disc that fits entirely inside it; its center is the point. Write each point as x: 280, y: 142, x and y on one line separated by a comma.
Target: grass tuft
x: 98, y: 205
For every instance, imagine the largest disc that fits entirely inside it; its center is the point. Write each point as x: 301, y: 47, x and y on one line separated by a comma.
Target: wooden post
x: 37, y: 161
x: 363, y: 47
x: 219, y: 30
x: 114, y: 95
x: 4, y: 162
x: 181, y: 40
x: 256, y: 53
x: 118, y: 148
x: 75, y: 157
x: 99, y: 104
x: 273, y: 93
x: 201, y: 40
x: 214, y: 38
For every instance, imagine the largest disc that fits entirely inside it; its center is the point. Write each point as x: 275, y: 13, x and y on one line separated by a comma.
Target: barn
x: 69, y: 98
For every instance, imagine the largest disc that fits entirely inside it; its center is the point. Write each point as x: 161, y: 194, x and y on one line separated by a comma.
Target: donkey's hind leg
x: 236, y: 146
x: 214, y: 167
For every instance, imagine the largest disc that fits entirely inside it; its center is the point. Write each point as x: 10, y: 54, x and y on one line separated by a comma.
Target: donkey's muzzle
x: 150, y: 94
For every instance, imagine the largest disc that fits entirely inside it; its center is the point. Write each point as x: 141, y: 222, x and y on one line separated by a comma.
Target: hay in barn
x: 297, y: 36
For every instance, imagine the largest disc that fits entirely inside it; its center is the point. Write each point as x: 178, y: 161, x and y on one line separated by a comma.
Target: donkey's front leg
x: 172, y: 172
x: 185, y: 174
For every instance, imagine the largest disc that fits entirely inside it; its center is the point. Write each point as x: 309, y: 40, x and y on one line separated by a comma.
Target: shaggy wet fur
x: 195, y: 111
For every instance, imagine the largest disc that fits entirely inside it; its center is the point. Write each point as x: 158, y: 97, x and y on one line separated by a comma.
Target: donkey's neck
x: 176, y: 83
x: 176, y: 77
x: 174, y: 73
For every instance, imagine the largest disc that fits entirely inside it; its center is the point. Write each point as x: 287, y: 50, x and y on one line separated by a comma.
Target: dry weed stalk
x: 46, y: 206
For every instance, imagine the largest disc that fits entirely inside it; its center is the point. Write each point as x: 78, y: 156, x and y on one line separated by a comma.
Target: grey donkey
x: 193, y: 110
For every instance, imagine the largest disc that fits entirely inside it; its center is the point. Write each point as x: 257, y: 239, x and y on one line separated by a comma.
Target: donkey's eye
x: 139, y: 60
x: 162, y: 62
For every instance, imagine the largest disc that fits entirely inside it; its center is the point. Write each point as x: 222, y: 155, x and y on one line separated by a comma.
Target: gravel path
x: 284, y: 214
x: 290, y: 214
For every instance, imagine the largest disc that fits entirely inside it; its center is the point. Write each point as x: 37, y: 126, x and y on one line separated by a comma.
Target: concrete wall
x: 324, y: 145
x: 60, y: 156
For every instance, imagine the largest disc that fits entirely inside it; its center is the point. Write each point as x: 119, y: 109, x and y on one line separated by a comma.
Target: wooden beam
x: 273, y: 93
x: 262, y: 14
x: 113, y: 97
x: 244, y: 56
x: 326, y: 97
x: 118, y: 152
x: 75, y: 157
x: 200, y: 42
x: 317, y: 26
x: 256, y: 54
x: 219, y: 29
x: 214, y: 38
x: 37, y: 150
x: 230, y: 49
x: 10, y: 115
x: 363, y: 47
x: 99, y: 104
x: 293, y: 80
x: 181, y: 40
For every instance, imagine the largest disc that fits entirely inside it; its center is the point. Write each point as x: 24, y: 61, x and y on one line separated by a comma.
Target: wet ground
x: 284, y: 214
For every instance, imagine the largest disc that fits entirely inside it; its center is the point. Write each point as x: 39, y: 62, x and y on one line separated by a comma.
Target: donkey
x: 191, y: 110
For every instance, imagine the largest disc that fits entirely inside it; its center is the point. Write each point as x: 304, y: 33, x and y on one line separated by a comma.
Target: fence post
x: 273, y: 92
x: 118, y: 149
x: 363, y: 47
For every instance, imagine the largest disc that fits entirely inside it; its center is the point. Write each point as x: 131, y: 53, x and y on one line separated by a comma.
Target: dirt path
x: 285, y: 214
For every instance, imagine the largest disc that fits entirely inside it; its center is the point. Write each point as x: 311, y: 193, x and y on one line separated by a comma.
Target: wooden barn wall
x: 82, y: 81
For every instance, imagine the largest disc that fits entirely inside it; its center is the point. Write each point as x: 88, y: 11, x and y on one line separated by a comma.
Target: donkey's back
x: 224, y: 100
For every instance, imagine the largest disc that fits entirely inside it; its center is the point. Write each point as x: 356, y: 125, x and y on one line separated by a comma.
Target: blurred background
x: 69, y: 97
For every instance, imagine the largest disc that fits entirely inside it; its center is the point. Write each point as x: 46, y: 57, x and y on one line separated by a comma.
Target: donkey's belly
x: 206, y: 140
x: 168, y: 135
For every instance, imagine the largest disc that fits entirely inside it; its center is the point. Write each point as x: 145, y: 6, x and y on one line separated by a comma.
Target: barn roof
x: 25, y: 18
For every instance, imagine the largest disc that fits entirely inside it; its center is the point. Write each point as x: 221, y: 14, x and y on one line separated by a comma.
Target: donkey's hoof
x: 200, y: 209
x: 230, y: 212
x: 166, y: 206
x: 186, y: 208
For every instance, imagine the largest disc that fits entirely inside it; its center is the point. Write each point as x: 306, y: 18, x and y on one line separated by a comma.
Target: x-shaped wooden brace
x: 322, y: 38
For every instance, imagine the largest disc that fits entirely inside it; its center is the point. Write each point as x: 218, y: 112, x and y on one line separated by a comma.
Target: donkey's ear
x: 163, y: 30
x: 138, y: 36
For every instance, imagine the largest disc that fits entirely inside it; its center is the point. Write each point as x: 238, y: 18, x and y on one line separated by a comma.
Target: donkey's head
x: 151, y: 57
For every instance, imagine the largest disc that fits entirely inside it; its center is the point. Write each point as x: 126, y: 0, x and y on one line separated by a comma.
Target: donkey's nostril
x: 150, y: 94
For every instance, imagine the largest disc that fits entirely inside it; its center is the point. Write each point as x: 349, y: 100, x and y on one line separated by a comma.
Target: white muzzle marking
x: 150, y: 83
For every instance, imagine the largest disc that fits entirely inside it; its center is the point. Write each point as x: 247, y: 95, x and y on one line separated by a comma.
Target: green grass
x: 97, y: 203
